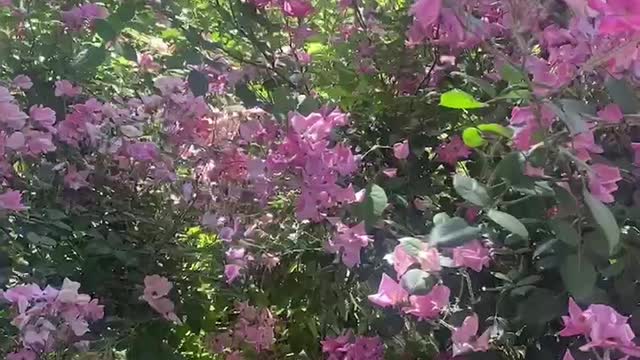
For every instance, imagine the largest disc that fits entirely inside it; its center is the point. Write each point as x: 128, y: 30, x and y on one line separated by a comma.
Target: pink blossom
x: 297, y: 8
x: 465, y: 340
x: 584, y: 144
x: 12, y: 200
x: 24, y: 354
x: 232, y: 272
x: 636, y: 151
x: 576, y: 323
x: 21, y: 295
x: 147, y: 63
x: 427, y: 307
x: 619, y: 16
x: 43, y: 116
x: 611, y: 114
x: 402, y: 261
x: 473, y: 255
x: 6, y: 3
x: 426, y: 12
x: 12, y: 116
x: 66, y: 88
x: 568, y: 356
x: 76, y: 179
x: 22, y: 82
x: 303, y: 57
x: 143, y: 151
x: 16, y: 141
x: 349, y: 241
x: 260, y: 3
x: 390, y: 172
x: 156, y: 286
x: 390, y: 293
x: 39, y: 142
x: 401, y: 150
x: 603, y: 181
x: 429, y: 258
x: 453, y: 151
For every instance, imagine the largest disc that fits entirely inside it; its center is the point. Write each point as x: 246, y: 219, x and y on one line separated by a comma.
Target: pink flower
x: 426, y: 12
x: 156, y: 286
x: 349, y: 241
x: 146, y: 63
x: 568, y: 356
x: 24, y: 354
x: 576, y: 323
x: 390, y: 172
x: 297, y: 8
x: 402, y: 261
x: 22, y: 82
x: 304, y: 58
x: 22, y: 295
x: 465, y: 340
x: 6, y: 3
x: 143, y: 151
x: 429, y: 258
x: 611, y: 114
x: 603, y: 181
x: 473, y: 255
x: 584, y: 144
x: 76, y: 179
x: 66, y: 88
x: 11, y: 200
x: 44, y: 116
x: 427, y: 307
x: 12, y: 116
x: 619, y: 16
x: 453, y: 151
x: 16, y: 141
x: 390, y: 293
x: 636, y: 151
x: 401, y: 150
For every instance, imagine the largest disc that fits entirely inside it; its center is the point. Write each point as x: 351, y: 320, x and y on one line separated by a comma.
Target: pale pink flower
x: 16, y: 141
x: 12, y: 116
x: 472, y: 255
x: 401, y: 150
x: 66, y: 88
x: 147, y: 63
x: 453, y: 151
x: 603, y: 181
x: 12, y: 200
x: 426, y: 12
x: 390, y: 293
x: 584, y: 144
x: 402, y: 261
x: 636, y: 153
x: 156, y: 286
x: 427, y: 307
x: 297, y: 8
x: 24, y: 354
x: 43, y: 116
x: 76, y: 179
x: 22, y: 82
x: 465, y: 339
x: 611, y: 114
x: 390, y: 172
x: 349, y: 241
x: 232, y: 272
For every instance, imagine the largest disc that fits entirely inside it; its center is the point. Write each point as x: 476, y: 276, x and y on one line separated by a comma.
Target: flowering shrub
x: 235, y: 179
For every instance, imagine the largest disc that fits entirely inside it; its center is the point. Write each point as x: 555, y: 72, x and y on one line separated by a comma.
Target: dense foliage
x: 319, y: 179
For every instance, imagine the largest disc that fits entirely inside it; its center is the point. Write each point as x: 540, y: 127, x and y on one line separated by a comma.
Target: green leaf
x: 571, y: 112
x: 440, y: 218
x: 565, y: 232
x: 126, y: 50
x: 623, y: 94
x: 198, y: 83
x: 579, y: 276
x: 509, y: 222
x: 374, y: 204
x: 496, y: 129
x: 105, y: 30
x: 91, y: 58
x: 411, y: 245
x: 510, y: 74
x: 454, y: 232
x: 604, y: 218
x: 126, y: 11
x: 418, y: 282
x: 458, y: 99
x: 483, y: 84
x: 472, y: 137
x: 40, y: 240
x: 471, y: 190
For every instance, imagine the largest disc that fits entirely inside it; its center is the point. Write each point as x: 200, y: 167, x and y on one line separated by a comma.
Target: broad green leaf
x: 418, y: 282
x: 374, y: 204
x: 623, y: 94
x: 604, y: 218
x: 509, y: 222
x: 440, y: 218
x: 454, y: 232
x: 572, y: 112
x: 481, y: 83
x: 511, y: 75
x: 126, y: 50
x: 198, y: 83
x: 471, y: 190
x: 565, y: 232
x: 579, y: 276
x: 91, y: 58
x: 496, y: 129
x: 472, y: 137
x: 511, y: 167
x: 411, y: 245
x: 458, y: 99
x: 105, y: 30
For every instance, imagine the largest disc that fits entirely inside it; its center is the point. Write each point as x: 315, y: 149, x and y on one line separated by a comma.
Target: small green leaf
x: 411, y: 245
x: 454, y: 232
x: 496, y: 129
x: 471, y: 190
x: 374, y: 204
x: 458, y: 99
x: 510, y: 74
x: 105, y: 30
x: 509, y: 222
x: 579, y: 275
x: 418, y: 282
x: 604, y: 218
x: 91, y: 58
x: 565, y: 232
x: 198, y: 83
x: 472, y: 137
x: 623, y: 94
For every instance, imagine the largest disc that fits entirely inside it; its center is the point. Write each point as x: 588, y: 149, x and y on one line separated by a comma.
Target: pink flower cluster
x: 453, y: 151
x: 254, y: 328
x: 348, y: 241
x: 603, y: 328
x: 424, y: 307
x: 50, y: 317
x: 465, y: 338
x: 156, y: 292
x: 79, y: 16
x: 349, y: 347
x: 529, y: 124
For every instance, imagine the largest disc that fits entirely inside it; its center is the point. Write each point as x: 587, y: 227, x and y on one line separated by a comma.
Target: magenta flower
x: 66, y: 88
x: 390, y: 293
x: 619, y: 16
x: 143, y: 151
x: 465, y: 339
x: 390, y: 172
x: 472, y: 255
x: 426, y: 12
x: 603, y: 181
x: 453, y: 151
x: 297, y: 8
x: 12, y: 200
x: 24, y: 354
x: 401, y: 150
x: 584, y: 144
x: 349, y: 242
x: 22, y: 82
x: 611, y: 114
x: 427, y: 307
x: 43, y: 116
